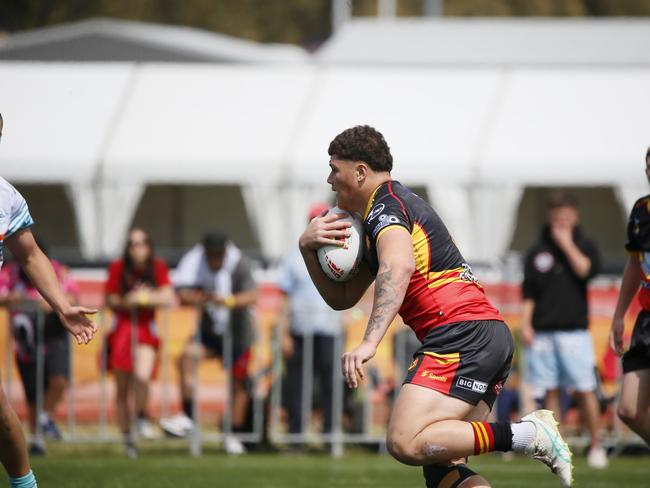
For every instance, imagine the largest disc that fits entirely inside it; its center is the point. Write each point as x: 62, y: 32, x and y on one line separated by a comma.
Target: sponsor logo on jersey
x: 543, y: 262
x: 472, y: 385
x: 433, y: 376
x: 467, y: 275
x: 376, y: 210
x: 384, y: 221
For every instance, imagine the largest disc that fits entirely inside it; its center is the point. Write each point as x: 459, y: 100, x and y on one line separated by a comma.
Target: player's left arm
x: 39, y: 269
x: 396, y: 266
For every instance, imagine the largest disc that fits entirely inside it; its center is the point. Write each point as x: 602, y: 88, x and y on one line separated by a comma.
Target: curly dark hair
x: 362, y: 143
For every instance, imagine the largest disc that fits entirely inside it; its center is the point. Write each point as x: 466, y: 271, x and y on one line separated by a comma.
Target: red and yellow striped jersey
x: 442, y: 289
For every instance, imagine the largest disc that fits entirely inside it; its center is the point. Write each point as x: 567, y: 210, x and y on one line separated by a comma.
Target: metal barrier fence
x: 29, y: 316
x: 368, y: 429
x: 370, y: 432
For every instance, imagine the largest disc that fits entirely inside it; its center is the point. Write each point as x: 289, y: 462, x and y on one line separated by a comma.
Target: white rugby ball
x: 340, y: 263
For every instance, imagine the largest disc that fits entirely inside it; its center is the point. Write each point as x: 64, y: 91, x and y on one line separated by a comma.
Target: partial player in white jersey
x: 15, y: 223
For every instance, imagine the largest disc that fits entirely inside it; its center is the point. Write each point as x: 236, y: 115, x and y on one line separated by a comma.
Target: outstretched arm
x: 39, y: 269
x: 396, y: 266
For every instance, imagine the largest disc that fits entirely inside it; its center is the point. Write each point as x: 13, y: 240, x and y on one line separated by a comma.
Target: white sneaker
x: 180, y: 425
x: 597, y: 458
x: 233, y: 446
x: 146, y: 430
x: 549, y: 447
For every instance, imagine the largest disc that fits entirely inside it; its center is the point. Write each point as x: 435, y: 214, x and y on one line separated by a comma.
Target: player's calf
x: 447, y: 440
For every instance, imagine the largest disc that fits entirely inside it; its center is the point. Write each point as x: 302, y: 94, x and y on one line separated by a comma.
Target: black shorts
x: 638, y: 355
x: 466, y: 360
x: 57, y: 363
x: 241, y: 354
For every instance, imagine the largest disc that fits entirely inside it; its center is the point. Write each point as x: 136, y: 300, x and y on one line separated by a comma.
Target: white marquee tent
x: 474, y: 134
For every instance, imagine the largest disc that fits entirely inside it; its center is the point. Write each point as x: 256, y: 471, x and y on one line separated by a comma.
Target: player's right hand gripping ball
x: 340, y: 263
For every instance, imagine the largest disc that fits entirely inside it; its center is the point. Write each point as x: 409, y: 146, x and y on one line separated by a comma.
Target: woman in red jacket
x: 137, y: 284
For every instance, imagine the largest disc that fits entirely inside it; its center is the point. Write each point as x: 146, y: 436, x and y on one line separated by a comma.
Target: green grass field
x: 97, y: 467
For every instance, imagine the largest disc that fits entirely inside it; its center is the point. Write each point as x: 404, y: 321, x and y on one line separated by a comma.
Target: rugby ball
x: 340, y: 263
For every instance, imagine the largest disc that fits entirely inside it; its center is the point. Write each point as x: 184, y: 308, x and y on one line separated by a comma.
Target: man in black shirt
x: 555, y: 316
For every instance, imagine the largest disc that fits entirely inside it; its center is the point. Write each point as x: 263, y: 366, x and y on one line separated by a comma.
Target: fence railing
x: 357, y: 425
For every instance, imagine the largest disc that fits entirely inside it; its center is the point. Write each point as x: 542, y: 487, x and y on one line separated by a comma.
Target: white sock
x: 523, y: 435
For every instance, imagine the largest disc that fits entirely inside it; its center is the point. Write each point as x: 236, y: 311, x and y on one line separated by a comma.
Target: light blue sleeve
x: 20, y: 217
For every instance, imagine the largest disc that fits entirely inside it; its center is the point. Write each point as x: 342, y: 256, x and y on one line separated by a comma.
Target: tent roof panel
x: 570, y: 127
x: 432, y: 119
x: 200, y: 123
x: 57, y: 118
x: 490, y: 42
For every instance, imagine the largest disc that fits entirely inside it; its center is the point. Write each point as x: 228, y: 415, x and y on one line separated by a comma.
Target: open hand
x: 352, y: 362
x: 76, y: 322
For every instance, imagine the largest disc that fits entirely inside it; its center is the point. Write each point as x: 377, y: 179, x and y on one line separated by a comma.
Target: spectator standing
x: 216, y: 277
x: 137, y: 284
x: 555, y: 319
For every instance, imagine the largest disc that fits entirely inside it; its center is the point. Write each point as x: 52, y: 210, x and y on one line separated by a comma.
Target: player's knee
x: 451, y: 476
x: 403, y: 449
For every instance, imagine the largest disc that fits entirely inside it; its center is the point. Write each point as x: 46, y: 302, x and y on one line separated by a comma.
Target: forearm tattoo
x: 387, y: 302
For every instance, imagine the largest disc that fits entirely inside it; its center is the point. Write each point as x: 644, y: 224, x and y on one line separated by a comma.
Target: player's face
x: 139, y: 248
x: 563, y: 217
x: 343, y: 180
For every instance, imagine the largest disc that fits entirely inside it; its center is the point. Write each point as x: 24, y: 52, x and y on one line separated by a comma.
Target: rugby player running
x: 439, y: 417
x: 634, y: 398
x: 15, y: 222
